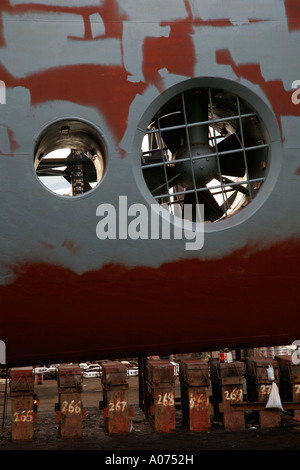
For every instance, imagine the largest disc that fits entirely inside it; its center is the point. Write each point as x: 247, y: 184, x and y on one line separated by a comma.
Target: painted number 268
x: 166, y: 400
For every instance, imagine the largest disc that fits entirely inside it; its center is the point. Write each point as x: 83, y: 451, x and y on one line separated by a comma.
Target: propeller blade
x: 172, y: 138
x: 231, y: 164
x: 212, y: 210
x: 155, y: 179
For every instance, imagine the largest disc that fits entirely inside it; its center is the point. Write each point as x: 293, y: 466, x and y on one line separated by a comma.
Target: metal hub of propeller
x: 202, y: 165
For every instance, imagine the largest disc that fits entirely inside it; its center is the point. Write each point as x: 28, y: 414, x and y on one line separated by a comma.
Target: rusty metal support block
x: 161, y: 396
x: 70, y: 412
x: 21, y: 393
x: 115, y: 398
x: 227, y: 389
x: 289, y: 383
x: 259, y: 387
x: 194, y: 385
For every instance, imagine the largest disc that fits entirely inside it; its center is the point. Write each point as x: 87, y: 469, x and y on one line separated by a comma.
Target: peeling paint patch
x: 163, y: 53
x: 280, y: 99
x: 71, y: 246
x: 8, y: 144
x: 56, y: 84
x: 47, y: 246
x: 292, y: 8
x: 217, y: 23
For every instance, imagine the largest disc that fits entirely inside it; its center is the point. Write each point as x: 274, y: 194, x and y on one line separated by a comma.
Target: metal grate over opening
x: 205, y: 146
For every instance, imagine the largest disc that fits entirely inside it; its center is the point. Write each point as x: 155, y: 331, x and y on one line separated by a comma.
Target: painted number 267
x: 235, y: 395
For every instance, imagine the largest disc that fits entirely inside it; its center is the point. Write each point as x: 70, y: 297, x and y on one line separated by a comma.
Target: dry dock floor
x: 141, y: 437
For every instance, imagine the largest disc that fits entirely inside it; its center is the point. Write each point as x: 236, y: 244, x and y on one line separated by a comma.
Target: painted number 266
x: 71, y: 407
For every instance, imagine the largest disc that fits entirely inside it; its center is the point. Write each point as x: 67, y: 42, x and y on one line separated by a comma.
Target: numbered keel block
x: 227, y: 389
x: 160, y: 382
x: 115, y: 398
x: 259, y: 386
x: 70, y: 411
x: 21, y: 393
x: 194, y: 386
x: 289, y: 384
